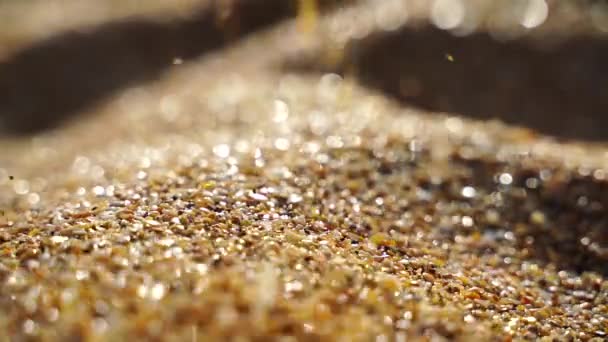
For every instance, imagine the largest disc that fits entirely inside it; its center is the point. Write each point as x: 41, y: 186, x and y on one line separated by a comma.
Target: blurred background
x: 534, y: 63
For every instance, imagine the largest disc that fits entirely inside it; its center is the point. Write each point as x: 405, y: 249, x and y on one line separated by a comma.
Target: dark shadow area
x: 60, y: 77
x: 562, y: 220
x: 558, y: 89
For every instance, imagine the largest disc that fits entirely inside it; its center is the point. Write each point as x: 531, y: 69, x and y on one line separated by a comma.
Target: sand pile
x: 271, y: 189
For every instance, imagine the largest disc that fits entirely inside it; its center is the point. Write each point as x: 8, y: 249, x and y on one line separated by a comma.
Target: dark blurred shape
x: 60, y: 77
x: 573, y: 230
x: 558, y: 88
